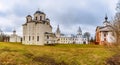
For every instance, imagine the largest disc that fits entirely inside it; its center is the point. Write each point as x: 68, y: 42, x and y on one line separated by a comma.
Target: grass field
x: 18, y: 54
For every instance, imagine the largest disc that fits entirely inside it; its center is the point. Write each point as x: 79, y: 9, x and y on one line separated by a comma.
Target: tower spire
x: 58, y: 32
x: 58, y: 29
x: 79, y: 31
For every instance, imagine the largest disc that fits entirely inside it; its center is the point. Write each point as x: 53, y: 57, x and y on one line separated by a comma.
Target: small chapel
x: 104, y: 34
x: 14, y: 37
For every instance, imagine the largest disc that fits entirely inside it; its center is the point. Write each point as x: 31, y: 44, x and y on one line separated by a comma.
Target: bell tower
x: 29, y: 18
x: 58, y: 31
x: 39, y: 16
x: 79, y: 31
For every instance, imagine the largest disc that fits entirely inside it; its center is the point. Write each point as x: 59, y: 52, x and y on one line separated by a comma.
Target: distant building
x: 70, y: 39
x: 104, y: 33
x: 15, y: 38
x: 37, y: 30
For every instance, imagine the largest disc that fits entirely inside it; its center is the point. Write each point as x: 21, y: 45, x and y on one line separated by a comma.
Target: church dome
x: 14, y: 30
x: 29, y: 16
x: 106, y: 18
x: 106, y: 22
x: 47, y: 18
x: 39, y: 12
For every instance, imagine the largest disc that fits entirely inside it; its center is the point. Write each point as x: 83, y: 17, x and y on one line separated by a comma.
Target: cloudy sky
x: 69, y: 14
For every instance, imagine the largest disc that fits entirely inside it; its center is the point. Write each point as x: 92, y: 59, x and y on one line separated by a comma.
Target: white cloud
x: 13, y: 9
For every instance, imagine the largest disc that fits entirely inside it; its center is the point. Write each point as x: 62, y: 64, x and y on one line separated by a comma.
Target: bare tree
x: 115, y: 28
x: 92, y: 39
x: 115, y: 25
x: 87, y: 35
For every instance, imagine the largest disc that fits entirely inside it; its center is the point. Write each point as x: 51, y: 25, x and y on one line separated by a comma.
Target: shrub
x: 115, y: 60
x: 28, y: 55
x: 47, y: 60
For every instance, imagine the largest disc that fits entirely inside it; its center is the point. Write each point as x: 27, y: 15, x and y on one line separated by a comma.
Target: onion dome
x: 106, y: 22
x: 14, y: 31
x: 29, y: 16
x: 106, y: 18
x: 47, y: 19
x: 39, y: 12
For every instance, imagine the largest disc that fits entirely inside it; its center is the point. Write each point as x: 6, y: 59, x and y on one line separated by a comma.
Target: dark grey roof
x: 47, y: 19
x: 102, y: 28
x: 48, y: 33
x: 29, y: 16
x: 39, y: 12
x: 106, y: 22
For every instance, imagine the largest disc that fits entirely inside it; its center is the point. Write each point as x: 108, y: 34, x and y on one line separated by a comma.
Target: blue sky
x: 69, y: 14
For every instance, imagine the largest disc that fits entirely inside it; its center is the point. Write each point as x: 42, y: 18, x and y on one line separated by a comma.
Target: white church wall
x: 15, y: 38
x: 110, y: 38
x: 33, y: 31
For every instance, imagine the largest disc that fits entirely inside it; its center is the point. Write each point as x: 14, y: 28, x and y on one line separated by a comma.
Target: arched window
x: 104, y: 39
x: 29, y: 38
x: 40, y: 18
x: 37, y: 38
x: 36, y: 18
x: 47, y: 37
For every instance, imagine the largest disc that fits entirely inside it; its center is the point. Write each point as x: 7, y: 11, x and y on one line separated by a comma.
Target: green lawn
x: 18, y: 54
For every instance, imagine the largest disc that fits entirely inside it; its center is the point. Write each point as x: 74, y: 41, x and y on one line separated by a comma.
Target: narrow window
x: 104, y: 39
x: 104, y: 35
x: 40, y: 18
x: 36, y: 18
x: 47, y: 37
x: 37, y: 38
x: 29, y: 38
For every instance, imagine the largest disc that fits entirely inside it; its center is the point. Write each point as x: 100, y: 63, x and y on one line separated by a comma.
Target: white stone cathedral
x: 37, y: 30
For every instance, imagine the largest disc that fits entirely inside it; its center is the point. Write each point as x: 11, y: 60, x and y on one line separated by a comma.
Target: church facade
x: 37, y: 30
x: 104, y: 34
